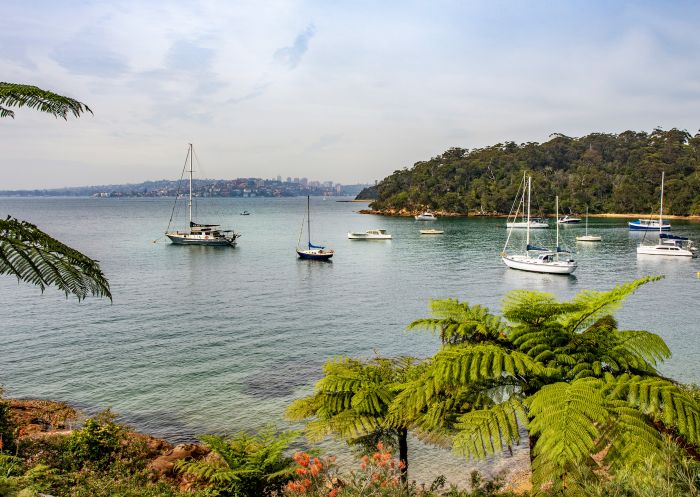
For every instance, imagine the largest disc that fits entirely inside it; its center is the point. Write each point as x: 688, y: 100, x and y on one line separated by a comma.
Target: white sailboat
x: 545, y: 261
x: 667, y: 245
x: 198, y: 233
x: 587, y: 237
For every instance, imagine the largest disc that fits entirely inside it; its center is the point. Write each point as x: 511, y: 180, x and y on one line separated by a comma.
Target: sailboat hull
x: 315, y: 255
x: 185, y: 239
x: 525, y: 263
x: 664, y: 250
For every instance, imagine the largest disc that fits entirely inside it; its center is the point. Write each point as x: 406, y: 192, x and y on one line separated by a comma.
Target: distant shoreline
x: 611, y: 215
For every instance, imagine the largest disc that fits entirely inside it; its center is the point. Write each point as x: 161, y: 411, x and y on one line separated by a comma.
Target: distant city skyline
x: 345, y: 90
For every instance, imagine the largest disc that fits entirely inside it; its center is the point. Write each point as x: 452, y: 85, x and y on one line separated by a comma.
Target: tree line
x: 608, y: 173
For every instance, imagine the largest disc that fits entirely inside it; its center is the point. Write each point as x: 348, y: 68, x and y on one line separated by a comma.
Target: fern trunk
x: 533, y: 440
x: 403, y: 454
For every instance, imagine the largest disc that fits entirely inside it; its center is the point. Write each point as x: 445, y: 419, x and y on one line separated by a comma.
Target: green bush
x: 97, y: 442
x: 7, y: 426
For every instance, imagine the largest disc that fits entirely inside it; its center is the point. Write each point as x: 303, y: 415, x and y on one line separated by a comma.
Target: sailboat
x: 587, y: 237
x: 668, y: 245
x: 545, y: 261
x: 534, y: 223
x: 313, y: 252
x: 198, y: 233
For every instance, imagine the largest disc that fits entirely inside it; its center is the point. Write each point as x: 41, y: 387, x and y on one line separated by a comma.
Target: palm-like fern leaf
x: 458, y: 322
x: 16, y: 95
x: 35, y: 257
x: 487, y: 431
x: 566, y: 418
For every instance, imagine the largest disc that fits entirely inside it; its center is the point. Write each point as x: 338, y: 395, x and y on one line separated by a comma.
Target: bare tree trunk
x: 403, y: 454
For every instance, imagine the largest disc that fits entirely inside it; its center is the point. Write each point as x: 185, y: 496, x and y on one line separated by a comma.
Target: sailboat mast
x: 586, y: 220
x: 661, y: 209
x: 191, y: 167
x: 556, y: 210
x: 308, y: 218
x: 529, y: 183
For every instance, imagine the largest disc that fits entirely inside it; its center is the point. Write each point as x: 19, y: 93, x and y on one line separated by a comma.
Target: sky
x: 330, y: 90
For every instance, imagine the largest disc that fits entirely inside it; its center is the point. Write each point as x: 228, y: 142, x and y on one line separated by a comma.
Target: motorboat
x: 558, y: 261
x: 667, y: 245
x: 431, y: 232
x: 569, y: 220
x: 587, y: 237
x: 245, y: 213
x: 199, y: 233
x: 426, y: 216
x: 648, y: 225
x: 670, y: 246
x: 311, y: 252
x: 369, y: 235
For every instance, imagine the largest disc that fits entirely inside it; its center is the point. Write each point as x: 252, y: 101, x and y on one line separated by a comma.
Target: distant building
x: 279, y: 178
x: 304, y: 181
x: 296, y: 180
x: 289, y: 179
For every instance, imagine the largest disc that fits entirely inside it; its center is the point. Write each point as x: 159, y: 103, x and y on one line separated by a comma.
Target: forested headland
x: 608, y: 173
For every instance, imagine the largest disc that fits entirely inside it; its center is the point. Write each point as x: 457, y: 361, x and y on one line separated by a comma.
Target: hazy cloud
x: 85, y: 54
x: 291, y: 56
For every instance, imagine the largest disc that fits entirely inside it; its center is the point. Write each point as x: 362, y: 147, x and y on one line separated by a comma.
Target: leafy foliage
x: 97, y: 442
x: 32, y: 256
x: 606, y: 172
x: 245, y: 465
x: 17, y: 95
x: 561, y: 370
x: 7, y: 426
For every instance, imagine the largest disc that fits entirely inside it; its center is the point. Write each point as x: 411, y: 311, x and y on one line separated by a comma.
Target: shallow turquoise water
x: 217, y: 340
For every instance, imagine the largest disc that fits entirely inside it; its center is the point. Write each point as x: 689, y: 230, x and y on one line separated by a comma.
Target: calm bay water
x: 219, y: 340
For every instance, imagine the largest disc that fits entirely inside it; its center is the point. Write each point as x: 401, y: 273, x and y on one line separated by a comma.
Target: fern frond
x: 458, y: 322
x: 16, y: 95
x: 34, y: 257
x: 566, y: 418
x: 486, y: 431
x: 589, y: 305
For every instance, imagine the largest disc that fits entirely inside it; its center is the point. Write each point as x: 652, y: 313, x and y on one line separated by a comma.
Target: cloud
x: 324, y: 142
x: 258, y: 90
x: 291, y: 56
x: 84, y: 54
x: 185, y: 55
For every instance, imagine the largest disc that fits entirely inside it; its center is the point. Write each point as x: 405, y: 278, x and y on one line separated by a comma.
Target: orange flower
x: 301, y: 471
x: 333, y: 492
x: 375, y: 476
x: 402, y: 464
x: 315, y: 469
x: 307, y: 482
x: 380, y: 445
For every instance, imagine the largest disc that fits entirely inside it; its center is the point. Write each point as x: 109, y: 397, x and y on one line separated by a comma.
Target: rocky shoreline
x: 414, y: 212
x: 42, y: 419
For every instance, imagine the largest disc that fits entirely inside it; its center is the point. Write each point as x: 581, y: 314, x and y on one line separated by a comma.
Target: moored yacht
x: 569, y: 220
x: 198, y: 233
x: 667, y: 245
x: 312, y: 252
x: 426, y: 216
x: 369, y: 235
x: 556, y: 261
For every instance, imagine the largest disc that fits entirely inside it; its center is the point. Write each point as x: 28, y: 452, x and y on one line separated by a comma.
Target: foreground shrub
x: 97, y: 442
x: 245, y: 465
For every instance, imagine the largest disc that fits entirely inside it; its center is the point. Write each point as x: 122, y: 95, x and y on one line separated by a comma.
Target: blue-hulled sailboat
x: 312, y: 252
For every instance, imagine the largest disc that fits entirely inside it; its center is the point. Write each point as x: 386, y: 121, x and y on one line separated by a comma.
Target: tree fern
x: 34, y: 257
x: 16, y: 95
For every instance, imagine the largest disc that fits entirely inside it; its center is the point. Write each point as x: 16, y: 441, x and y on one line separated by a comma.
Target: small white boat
x: 311, y: 252
x: 587, y: 237
x: 545, y: 262
x: 670, y: 246
x: 569, y: 220
x: 535, y: 223
x: 667, y: 245
x: 431, y: 232
x: 426, y: 216
x: 369, y: 235
x: 245, y: 213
